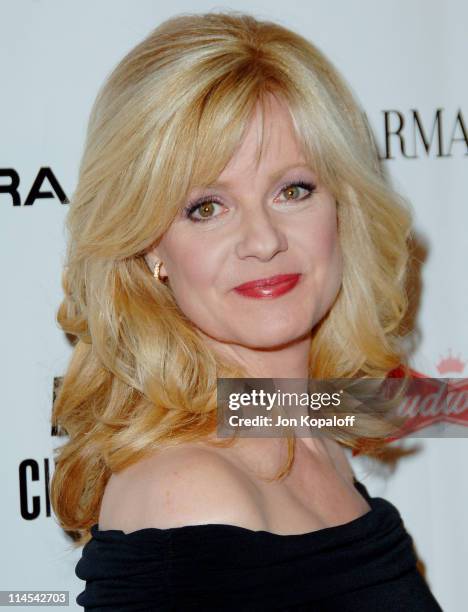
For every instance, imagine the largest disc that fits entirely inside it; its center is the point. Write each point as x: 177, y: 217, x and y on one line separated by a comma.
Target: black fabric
x: 366, y: 565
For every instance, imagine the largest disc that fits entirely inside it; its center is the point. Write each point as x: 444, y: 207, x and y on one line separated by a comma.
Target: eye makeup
x: 194, y: 205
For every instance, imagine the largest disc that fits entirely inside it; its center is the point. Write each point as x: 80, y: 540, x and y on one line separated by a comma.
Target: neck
x: 289, y: 360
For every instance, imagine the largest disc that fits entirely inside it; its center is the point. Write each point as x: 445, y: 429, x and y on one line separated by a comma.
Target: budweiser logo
x: 434, y: 400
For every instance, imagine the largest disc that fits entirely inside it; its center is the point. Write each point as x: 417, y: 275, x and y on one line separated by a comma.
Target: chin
x: 270, y: 338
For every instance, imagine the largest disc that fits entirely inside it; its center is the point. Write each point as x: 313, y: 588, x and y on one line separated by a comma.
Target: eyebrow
x: 273, y: 177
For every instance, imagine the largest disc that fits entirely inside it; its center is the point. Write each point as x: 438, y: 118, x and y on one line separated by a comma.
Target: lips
x: 271, y: 280
x: 268, y: 287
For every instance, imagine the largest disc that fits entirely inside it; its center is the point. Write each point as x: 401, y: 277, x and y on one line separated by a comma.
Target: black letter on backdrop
x: 23, y: 485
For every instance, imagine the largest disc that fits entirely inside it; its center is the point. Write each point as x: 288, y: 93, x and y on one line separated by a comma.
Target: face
x: 257, y: 221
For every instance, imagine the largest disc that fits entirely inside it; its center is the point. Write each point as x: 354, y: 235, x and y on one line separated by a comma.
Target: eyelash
x: 190, y: 208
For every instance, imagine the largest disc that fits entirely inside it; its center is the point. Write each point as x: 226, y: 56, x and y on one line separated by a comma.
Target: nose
x: 260, y: 235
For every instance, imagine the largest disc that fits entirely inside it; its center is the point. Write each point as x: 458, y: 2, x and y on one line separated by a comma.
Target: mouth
x: 266, y: 282
x: 272, y: 286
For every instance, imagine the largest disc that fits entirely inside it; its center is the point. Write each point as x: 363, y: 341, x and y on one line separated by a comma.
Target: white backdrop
x: 406, y: 62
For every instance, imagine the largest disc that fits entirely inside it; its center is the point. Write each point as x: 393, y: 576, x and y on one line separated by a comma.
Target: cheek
x: 324, y: 261
x: 193, y: 268
x: 321, y: 242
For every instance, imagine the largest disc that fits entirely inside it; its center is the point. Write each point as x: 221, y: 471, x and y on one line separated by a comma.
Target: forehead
x: 269, y: 143
x: 269, y: 139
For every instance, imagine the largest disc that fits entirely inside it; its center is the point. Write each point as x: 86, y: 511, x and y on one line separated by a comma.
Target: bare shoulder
x: 179, y: 486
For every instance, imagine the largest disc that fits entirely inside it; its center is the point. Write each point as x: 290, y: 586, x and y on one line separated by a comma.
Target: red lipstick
x: 271, y: 287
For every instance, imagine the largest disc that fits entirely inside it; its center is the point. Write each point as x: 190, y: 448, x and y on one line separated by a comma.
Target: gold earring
x: 157, y: 271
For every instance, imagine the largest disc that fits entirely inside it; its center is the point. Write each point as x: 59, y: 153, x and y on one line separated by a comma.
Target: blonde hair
x: 167, y: 118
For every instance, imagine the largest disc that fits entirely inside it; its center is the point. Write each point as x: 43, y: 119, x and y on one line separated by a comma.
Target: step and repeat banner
x: 406, y: 62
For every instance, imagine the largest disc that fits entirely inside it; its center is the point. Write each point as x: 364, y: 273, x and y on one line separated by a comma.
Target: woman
x: 224, y: 150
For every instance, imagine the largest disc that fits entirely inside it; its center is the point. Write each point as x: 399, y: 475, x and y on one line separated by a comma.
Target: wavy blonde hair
x: 169, y: 117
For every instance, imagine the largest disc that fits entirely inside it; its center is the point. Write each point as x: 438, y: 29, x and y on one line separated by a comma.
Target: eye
x: 293, y: 190
x: 206, y: 206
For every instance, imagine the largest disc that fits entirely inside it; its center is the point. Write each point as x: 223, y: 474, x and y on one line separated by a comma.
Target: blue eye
x: 207, y: 203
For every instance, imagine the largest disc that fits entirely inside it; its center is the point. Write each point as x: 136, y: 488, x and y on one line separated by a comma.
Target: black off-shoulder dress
x: 366, y: 565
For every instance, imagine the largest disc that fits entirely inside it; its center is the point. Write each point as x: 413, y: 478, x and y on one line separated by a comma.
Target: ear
x: 152, y: 258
